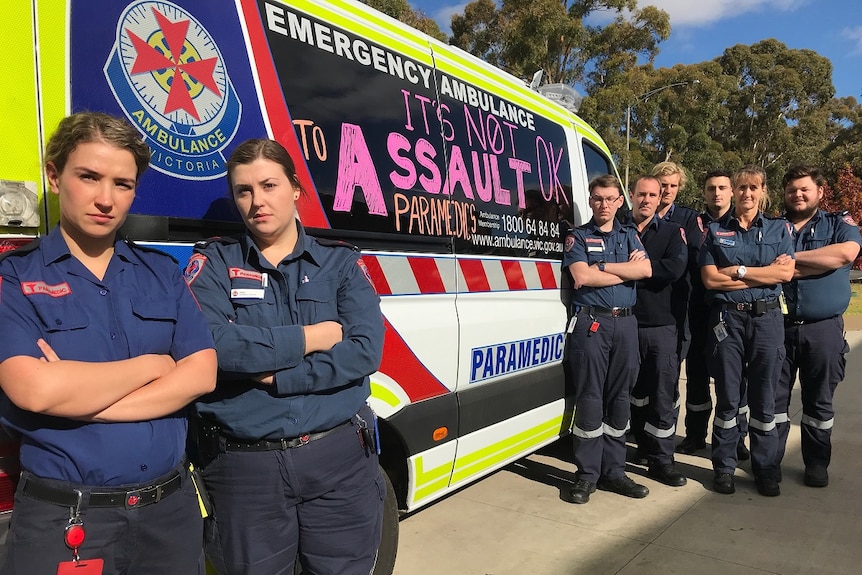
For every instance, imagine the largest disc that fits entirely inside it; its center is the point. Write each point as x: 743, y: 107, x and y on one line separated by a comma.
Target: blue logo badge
x: 168, y: 75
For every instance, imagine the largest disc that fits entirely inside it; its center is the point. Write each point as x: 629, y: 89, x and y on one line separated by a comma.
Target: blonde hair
x: 669, y: 169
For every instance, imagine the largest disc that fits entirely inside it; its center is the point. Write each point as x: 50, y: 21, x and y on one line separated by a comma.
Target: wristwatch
x: 741, y: 271
x: 601, y: 265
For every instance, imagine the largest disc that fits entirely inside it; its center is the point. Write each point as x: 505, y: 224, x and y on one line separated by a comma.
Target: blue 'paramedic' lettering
x: 504, y: 358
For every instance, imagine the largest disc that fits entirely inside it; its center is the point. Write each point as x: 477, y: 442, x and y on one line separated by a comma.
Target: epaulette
x: 20, y: 251
x: 331, y: 243
x: 844, y: 216
x: 149, y: 249
x: 216, y: 240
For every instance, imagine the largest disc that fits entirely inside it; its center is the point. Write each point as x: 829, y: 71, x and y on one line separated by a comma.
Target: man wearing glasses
x: 605, y: 259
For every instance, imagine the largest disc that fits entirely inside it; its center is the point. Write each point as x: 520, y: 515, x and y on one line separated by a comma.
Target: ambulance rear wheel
x: 389, y: 540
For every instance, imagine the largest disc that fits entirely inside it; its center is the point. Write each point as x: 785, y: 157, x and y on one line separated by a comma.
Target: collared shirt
x: 141, y: 306
x: 257, y: 311
x: 589, y: 244
x: 728, y: 244
x: 698, y: 291
x: 828, y: 294
x: 665, y: 243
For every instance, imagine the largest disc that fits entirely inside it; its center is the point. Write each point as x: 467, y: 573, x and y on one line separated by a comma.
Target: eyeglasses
x: 601, y: 201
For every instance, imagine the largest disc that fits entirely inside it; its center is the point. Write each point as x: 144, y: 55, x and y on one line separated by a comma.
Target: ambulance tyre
x: 389, y: 541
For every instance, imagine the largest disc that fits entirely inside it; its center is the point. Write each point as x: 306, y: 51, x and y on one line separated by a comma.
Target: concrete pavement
x: 514, y: 521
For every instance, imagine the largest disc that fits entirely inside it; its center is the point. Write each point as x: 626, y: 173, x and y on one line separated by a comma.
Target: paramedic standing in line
x: 718, y: 197
x: 287, y: 439
x: 653, y: 411
x: 817, y: 297
x: 101, y: 349
x: 744, y: 260
x: 605, y: 259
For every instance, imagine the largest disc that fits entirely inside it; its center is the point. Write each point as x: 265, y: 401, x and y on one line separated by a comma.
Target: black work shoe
x: 742, y: 452
x: 667, y: 474
x: 690, y: 445
x: 640, y: 458
x: 579, y: 492
x: 624, y: 486
x: 816, y: 476
x: 767, y: 486
x: 723, y: 483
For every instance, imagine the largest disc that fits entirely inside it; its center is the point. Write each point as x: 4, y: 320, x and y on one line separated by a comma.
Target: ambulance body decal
x: 169, y: 77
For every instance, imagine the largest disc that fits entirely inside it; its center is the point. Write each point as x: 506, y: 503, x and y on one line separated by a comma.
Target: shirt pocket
x: 154, y: 323
x: 318, y: 301
x: 63, y: 325
x: 253, y: 303
x: 767, y: 252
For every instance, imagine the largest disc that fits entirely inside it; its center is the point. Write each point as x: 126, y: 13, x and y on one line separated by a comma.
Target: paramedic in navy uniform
x: 744, y: 260
x: 605, y: 259
x: 102, y: 347
x: 653, y: 411
x: 817, y: 297
x: 298, y: 329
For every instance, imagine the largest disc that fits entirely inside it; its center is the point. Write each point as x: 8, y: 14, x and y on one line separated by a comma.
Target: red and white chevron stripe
x: 413, y: 275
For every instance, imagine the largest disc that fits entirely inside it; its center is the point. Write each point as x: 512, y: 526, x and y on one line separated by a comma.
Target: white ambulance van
x: 455, y: 179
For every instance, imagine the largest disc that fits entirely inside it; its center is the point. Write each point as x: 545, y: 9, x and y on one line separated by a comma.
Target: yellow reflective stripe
x: 431, y: 481
x: 383, y: 31
x: 478, y: 461
x: 384, y: 394
x: 53, y: 82
x: 19, y: 116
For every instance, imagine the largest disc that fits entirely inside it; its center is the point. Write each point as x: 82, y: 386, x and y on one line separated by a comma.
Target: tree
x: 402, y: 11
x: 523, y: 36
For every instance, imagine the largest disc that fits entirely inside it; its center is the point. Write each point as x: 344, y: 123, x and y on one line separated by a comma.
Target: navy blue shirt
x: 698, y: 291
x: 141, y: 306
x: 257, y: 311
x: 665, y: 243
x: 828, y: 294
x: 728, y: 244
x: 587, y: 243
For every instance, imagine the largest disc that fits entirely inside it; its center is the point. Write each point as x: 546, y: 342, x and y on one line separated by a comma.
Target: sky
x: 701, y: 30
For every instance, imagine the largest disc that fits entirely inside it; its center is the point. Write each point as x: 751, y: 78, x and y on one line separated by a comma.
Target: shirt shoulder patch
x: 700, y: 224
x: 682, y: 233
x: 194, y: 267
x: 364, y: 269
x: 570, y: 242
x: 848, y: 219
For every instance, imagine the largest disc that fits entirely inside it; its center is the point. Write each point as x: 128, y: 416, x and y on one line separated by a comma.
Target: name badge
x: 726, y: 242
x: 595, y: 249
x: 247, y: 293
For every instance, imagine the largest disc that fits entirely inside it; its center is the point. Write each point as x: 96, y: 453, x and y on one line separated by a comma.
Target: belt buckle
x: 743, y: 307
x: 304, y: 439
x: 132, y: 499
x: 615, y: 311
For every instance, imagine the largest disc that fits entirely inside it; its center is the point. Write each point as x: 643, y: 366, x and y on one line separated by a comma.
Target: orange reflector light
x: 440, y: 433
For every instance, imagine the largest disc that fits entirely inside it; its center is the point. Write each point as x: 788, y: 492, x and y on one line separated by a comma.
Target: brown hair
x: 86, y: 127
x: 606, y: 181
x: 752, y: 170
x: 261, y: 148
x: 802, y: 171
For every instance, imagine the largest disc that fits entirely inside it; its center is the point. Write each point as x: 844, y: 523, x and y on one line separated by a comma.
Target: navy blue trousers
x: 322, y: 502
x: 654, y: 410
x: 164, y: 537
x: 816, y: 351
x: 752, y: 353
x: 604, y: 366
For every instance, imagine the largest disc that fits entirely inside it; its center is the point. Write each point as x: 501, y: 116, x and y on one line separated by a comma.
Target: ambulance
x: 456, y: 180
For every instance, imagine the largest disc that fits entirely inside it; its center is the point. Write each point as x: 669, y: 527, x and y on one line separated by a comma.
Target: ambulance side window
x: 596, y: 162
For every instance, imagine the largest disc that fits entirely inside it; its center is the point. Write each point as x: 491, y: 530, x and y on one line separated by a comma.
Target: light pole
x: 645, y: 96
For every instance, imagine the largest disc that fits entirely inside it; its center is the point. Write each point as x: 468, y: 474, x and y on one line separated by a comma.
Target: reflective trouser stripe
x: 677, y: 403
x: 639, y: 402
x: 614, y: 432
x: 659, y: 433
x: 584, y: 434
x: 757, y: 424
x: 781, y: 418
x: 724, y: 424
x: 743, y: 410
x: 816, y: 423
x: 699, y: 407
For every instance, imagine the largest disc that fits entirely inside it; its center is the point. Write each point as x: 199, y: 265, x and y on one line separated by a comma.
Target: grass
x: 855, y: 300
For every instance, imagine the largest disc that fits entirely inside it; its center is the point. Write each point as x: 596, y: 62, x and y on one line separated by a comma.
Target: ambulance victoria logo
x: 169, y: 77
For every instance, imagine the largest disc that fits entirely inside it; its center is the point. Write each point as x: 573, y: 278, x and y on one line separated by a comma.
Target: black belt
x: 759, y: 306
x: 791, y: 321
x: 234, y: 444
x: 607, y: 311
x: 120, y: 497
